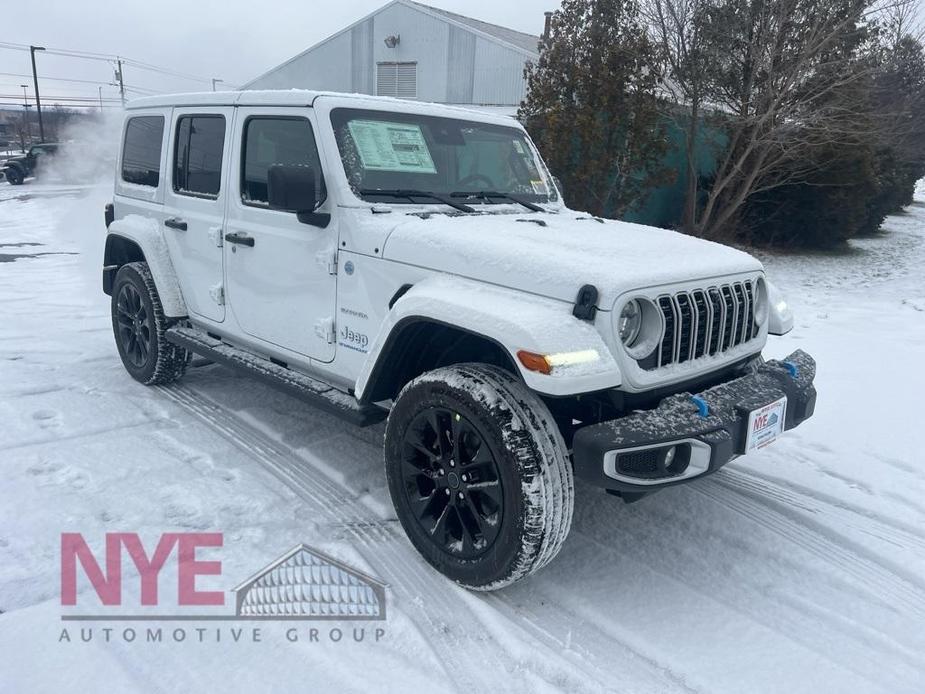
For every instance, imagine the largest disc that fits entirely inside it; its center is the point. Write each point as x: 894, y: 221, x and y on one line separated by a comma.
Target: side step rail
x: 306, y: 388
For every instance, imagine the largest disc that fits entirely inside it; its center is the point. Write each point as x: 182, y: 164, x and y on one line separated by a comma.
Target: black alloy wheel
x: 140, y: 328
x: 135, y: 328
x: 451, y: 482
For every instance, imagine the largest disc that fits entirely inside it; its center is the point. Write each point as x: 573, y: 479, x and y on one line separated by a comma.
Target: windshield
x: 396, y: 157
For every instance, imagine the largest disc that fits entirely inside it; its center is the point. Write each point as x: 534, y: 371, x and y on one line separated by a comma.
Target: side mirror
x: 292, y: 189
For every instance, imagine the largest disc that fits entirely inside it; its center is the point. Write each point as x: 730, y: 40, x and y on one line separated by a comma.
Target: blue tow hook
x: 703, y: 409
x: 792, y: 368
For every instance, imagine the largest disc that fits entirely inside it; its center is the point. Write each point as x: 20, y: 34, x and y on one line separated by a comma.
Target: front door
x: 194, y: 205
x: 280, y: 276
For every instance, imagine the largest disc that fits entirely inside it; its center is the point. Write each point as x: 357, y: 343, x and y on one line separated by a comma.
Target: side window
x: 141, y: 150
x: 197, y: 157
x: 276, y: 140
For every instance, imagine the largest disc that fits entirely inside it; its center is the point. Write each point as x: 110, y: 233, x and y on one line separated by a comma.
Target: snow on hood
x: 557, y: 259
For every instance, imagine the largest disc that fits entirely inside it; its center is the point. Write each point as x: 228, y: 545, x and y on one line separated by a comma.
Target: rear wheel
x: 139, y: 326
x: 478, y: 474
x: 14, y: 176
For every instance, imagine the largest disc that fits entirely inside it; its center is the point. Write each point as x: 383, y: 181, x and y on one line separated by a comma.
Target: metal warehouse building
x: 414, y: 51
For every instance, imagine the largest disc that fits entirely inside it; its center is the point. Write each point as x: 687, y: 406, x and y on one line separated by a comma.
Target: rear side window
x: 197, y: 158
x: 141, y: 152
x: 276, y: 140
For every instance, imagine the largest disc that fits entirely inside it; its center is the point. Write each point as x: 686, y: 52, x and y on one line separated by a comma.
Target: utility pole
x: 25, y: 118
x: 38, y: 100
x: 214, y: 82
x: 119, y: 80
x: 101, y: 98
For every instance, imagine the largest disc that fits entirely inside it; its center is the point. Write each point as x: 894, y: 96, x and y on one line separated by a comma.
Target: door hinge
x: 328, y: 260
x: 217, y: 292
x: 215, y: 236
x: 324, y: 329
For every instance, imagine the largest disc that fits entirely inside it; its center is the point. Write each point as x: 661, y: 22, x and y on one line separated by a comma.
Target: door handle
x: 239, y: 238
x: 175, y: 223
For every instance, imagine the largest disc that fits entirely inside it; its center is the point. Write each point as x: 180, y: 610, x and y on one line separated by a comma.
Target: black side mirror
x: 292, y: 189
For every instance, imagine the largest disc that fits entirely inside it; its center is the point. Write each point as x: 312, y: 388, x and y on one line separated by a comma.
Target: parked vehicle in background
x: 412, y: 262
x: 18, y: 169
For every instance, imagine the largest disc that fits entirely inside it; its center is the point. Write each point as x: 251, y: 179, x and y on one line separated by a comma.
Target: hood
x: 555, y: 259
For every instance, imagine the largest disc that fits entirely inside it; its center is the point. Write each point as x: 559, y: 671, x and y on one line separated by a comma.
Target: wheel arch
x: 138, y: 239
x: 119, y: 251
x: 418, y: 344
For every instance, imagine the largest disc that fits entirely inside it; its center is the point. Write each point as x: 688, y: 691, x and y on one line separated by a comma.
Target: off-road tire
x: 163, y: 361
x: 529, y: 454
x: 14, y: 176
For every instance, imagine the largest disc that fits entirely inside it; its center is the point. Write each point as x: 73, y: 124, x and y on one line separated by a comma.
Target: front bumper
x: 708, y: 428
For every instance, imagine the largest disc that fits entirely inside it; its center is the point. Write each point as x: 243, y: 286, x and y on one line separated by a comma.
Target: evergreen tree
x: 592, y: 105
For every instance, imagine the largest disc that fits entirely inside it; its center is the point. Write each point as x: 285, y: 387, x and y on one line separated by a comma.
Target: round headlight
x: 762, y: 305
x: 630, y: 322
x: 639, y: 327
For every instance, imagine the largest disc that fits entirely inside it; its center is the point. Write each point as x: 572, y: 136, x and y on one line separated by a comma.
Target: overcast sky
x: 232, y: 40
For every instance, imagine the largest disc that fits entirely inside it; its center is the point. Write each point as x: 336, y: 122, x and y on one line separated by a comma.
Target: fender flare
x: 146, y: 234
x: 513, y: 320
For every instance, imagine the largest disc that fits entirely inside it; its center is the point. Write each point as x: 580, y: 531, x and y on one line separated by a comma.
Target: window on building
x: 397, y: 79
x: 270, y: 141
x: 197, y: 158
x: 141, y: 151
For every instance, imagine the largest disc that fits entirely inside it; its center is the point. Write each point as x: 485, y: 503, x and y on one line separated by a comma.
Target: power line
x: 87, y: 55
x: 62, y: 98
x: 55, y: 79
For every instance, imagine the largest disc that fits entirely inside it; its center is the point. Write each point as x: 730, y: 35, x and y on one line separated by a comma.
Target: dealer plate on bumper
x: 765, y: 425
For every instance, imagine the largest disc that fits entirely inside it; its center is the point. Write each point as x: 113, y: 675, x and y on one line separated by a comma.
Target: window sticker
x: 539, y: 187
x: 386, y: 146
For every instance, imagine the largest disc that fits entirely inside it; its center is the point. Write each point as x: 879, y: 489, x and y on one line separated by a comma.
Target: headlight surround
x: 639, y: 327
x: 762, y: 304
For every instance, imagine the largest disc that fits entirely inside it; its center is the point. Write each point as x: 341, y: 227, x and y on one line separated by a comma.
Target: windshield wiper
x: 489, y: 194
x: 411, y: 194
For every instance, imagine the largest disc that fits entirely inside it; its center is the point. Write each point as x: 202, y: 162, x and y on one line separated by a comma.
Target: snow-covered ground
x: 799, y: 569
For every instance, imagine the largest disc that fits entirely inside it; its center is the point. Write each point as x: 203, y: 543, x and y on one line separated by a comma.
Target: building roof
x: 526, y: 43
x: 523, y: 41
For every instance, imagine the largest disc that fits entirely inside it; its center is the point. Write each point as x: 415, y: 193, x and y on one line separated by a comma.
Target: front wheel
x: 139, y: 326
x: 14, y: 176
x: 478, y: 474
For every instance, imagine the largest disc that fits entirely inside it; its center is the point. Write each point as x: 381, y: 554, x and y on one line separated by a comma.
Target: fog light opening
x: 675, y: 459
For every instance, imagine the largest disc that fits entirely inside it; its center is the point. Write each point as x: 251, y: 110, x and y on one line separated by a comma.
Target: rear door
x: 281, y: 281
x: 194, y: 204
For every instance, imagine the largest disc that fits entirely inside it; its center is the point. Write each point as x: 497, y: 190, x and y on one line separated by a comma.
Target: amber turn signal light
x: 534, y: 362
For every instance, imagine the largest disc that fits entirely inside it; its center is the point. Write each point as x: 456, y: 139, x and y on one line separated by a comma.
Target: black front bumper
x: 716, y: 418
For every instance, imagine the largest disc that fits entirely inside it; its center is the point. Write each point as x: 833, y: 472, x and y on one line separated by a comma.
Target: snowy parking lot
x: 797, y: 569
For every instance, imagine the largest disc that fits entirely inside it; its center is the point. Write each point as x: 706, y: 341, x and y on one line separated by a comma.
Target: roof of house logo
x: 305, y: 583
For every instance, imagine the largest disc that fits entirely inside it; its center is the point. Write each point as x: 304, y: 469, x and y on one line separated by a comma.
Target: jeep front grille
x: 704, y: 322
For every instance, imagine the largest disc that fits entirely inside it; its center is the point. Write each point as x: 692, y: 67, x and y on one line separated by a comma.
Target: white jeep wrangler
x: 392, y: 259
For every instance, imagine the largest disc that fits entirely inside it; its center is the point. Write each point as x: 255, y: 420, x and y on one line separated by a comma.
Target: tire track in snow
x: 833, y: 511
x: 595, y: 649
x: 854, y: 561
x: 774, y: 618
x: 447, y: 638
x: 389, y: 552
